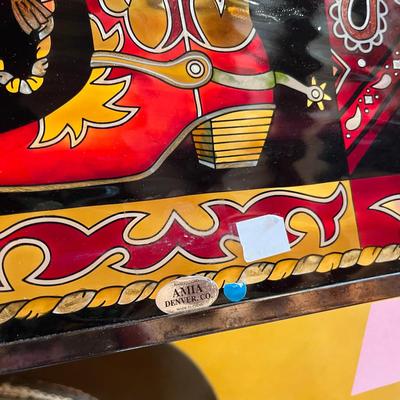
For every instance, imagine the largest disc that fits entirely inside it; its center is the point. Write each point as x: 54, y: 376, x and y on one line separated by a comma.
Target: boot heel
x: 232, y: 140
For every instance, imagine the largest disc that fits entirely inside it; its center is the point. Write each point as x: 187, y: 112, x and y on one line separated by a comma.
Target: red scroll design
x: 72, y: 250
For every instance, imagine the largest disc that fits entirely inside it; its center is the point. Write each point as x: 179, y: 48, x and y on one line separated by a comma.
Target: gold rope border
x: 253, y: 273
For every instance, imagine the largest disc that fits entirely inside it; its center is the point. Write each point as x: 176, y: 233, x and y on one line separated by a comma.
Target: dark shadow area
x: 154, y: 373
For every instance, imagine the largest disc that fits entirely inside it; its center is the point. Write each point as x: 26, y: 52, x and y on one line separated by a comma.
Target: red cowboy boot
x: 158, y: 73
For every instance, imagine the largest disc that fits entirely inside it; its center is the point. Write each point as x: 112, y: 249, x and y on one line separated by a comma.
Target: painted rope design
x: 147, y: 289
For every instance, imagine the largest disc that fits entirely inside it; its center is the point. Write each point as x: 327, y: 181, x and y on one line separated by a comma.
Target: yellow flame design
x: 95, y: 105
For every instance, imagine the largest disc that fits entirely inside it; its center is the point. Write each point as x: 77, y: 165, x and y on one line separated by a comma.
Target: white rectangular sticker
x: 263, y: 237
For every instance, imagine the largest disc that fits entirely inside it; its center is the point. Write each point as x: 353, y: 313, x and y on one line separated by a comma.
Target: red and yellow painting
x: 136, y: 134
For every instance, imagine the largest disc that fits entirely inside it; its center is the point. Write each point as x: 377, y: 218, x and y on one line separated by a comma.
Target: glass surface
x: 135, y: 136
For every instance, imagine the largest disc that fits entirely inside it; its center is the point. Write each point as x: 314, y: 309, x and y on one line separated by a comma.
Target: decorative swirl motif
x: 32, y: 16
x: 146, y: 289
x: 363, y: 38
x: 221, y: 25
x: 117, y: 235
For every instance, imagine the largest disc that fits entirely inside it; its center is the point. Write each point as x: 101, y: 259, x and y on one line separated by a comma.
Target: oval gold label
x: 186, y: 294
